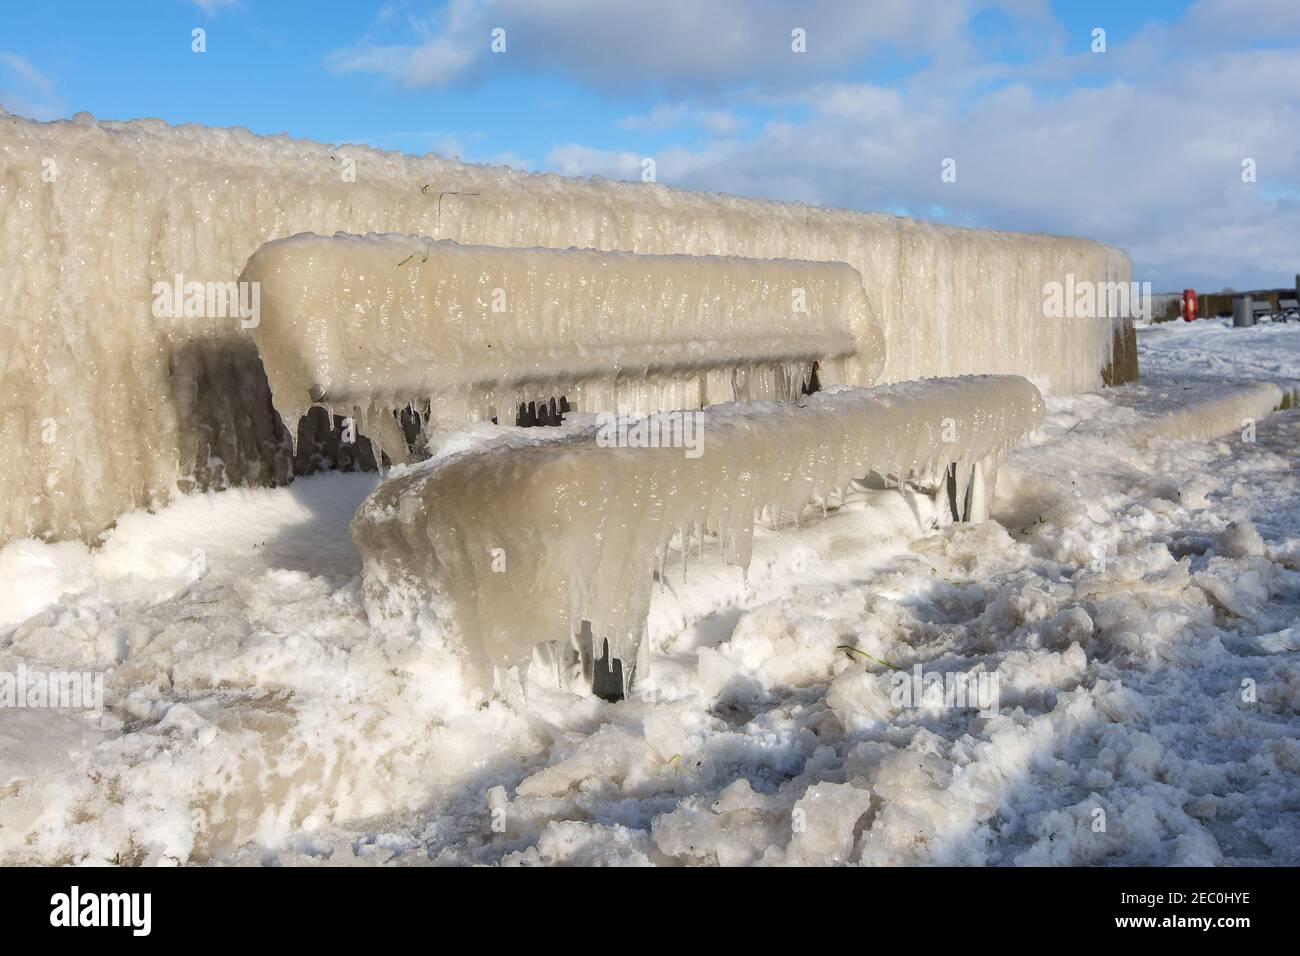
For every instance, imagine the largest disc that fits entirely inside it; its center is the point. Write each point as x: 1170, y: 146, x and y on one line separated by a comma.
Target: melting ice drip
x: 374, y: 323
x: 521, y: 545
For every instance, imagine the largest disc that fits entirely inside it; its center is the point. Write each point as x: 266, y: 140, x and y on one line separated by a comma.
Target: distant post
x: 1243, y: 312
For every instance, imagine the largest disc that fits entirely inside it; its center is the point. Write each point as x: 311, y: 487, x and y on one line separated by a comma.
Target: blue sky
x: 1140, y: 146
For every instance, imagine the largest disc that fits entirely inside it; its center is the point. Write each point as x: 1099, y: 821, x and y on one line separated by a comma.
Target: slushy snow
x: 1133, y: 595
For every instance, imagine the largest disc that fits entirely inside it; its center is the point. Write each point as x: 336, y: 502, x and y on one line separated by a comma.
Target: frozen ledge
x: 514, y: 546
x: 1226, y: 409
x: 377, y: 322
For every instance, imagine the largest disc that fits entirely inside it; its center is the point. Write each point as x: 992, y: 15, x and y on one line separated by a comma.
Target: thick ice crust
x: 520, y: 545
x: 384, y: 320
x: 1225, y: 409
x: 109, y: 405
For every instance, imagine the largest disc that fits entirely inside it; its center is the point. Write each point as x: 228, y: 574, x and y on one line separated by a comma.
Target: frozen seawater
x: 111, y: 406
x: 520, y: 545
x: 1211, y: 412
x: 380, y: 322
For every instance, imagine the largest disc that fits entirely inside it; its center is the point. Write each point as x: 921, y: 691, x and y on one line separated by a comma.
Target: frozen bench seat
x: 514, y: 546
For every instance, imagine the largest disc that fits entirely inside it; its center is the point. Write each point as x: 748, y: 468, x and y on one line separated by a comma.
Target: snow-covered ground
x: 1213, y: 348
x: 1136, y: 598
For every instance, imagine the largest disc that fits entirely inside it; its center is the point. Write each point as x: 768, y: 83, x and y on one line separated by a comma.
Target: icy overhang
x: 380, y: 321
x: 514, y: 546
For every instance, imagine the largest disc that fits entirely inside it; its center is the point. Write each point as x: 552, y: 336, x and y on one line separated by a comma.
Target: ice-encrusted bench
x: 513, y: 546
x: 369, y: 325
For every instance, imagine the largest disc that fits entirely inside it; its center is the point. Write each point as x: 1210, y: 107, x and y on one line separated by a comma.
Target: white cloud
x: 1140, y: 147
x: 576, y: 160
x: 26, y: 91
x: 213, y: 7
x: 1152, y: 165
x: 666, y: 116
x: 673, y: 46
x: 442, y: 48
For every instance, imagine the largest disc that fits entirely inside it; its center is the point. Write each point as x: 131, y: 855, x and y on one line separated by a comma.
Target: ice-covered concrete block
x: 1213, y: 411
x: 382, y: 321
x: 514, y: 546
x: 111, y: 403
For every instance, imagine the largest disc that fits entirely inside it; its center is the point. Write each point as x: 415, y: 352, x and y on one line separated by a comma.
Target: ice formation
x: 112, y: 406
x: 520, y: 545
x: 378, y: 322
x: 1223, y: 410
x: 253, y: 714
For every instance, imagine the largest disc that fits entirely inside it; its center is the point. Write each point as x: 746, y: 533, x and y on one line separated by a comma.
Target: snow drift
x: 379, y: 322
x: 518, y: 545
x: 110, y: 407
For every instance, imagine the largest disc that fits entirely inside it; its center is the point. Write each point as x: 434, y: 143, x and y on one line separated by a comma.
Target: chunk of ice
x: 520, y: 545
x: 384, y: 321
x: 1234, y: 407
x: 111, y: 405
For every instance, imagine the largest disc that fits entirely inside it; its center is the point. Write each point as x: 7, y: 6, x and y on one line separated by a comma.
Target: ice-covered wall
x: 105, y: 407
x: 518, y: 545
x: 380, y: 322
